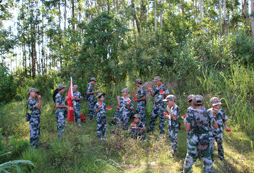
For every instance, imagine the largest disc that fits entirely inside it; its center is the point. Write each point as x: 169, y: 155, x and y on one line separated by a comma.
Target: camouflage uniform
x: 76, y: 106
x: 34, y: 122
x: 117, y: 114
x: 101, y: 120
x: 91, y: 101
x: 141, y: 105
x: 217, y: 134
x: 200, y: 122
x: 158, y: 109
x: 135, y: 133
x: 125, y: 113
x: 60, y: 120
x: 188, y: 134
x: 173, y: 128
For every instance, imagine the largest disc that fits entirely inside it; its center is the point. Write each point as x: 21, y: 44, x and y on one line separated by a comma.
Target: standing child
x: 217, y: 134
x: 77, y: 97
x: 190, y: 97
x: 173, y: 123
x: 100, y: 110
x: 126, y: 108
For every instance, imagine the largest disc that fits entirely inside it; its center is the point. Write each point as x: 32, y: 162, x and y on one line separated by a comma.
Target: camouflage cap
x: 170, y: 98
x: 215, y: 101
x: 137, y: 116
x: 125, y: 90
x: 198, y: 100
x: 190, y: 97
x: 157, y: 78
x: 61, y: 86
x: 93, y: 79
x: 100, y: 94
x: 33, y: 90
x: 75, y: 86
x: 138, y: 81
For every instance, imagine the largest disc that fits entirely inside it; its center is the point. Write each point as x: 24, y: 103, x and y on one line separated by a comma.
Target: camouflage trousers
x: 123, y: 120
x: 34, y: 129
x: 60, y: 122
x: 91, y: 112
x: 192, y: 154
x: 101, y: 129
x: 219, y: 139
x: 173, y: 134
x: 141, y: 111
x: 158, y: 111
x: 138, y: 134
x: 77, y: 113
x: 117, y: 114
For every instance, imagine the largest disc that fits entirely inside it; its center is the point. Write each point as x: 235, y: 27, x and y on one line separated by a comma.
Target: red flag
x: 69, y: 102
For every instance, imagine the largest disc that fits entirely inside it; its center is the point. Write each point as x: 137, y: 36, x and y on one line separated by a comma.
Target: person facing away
x: 141, y: 101
x: 60, y: 111
x: 137, y: 128
x: 100, y: 110
x: 173, y: 123
x: 198, y: 122
x: 90, y: 91
x: 159, y: 92
x: 126, y: 108
x: 217, y: 134
x: 35, y: 119
x: 77, y: 97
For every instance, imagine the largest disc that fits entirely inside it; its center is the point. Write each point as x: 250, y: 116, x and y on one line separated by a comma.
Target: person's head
x: 215, y: 102
x: 170, y: 99
x: 93, y: 80
x: 125, y: 92
x: 137, y: 118
x: 33, y: 92
x: 190, y: 97
x: 157, y: 80
x: 100, y: 97
x: 75, y: 88
x: 61, y: 88
x: 198, y: 101
x: 138, y: 82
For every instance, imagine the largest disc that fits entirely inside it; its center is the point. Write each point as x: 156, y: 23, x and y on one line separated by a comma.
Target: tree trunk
x: 201, y: 12
x: 252, y: 17
x: 73, y: 14
x: 65, y: 12
x: 161, y: 13
x: 225, y: 17
x: 220, y: 17
x: 155, y: 15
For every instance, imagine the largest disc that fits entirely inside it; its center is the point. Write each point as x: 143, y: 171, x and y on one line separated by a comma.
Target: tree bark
x: 220, y: 17
x: 155, y: 14
x: 252, y: 17
x: 201, y: 12
x: 225, y: 17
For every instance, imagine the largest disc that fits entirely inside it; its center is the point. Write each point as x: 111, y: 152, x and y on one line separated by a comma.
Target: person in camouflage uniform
x: 137, y: 128
x: 126, y: 108
x: 217, y: 134
x: 77, y: 97
x: 159, y: 92
x: 35, y: 112
x: 100, y: 110
x: 198, y: 122
x: 173, y: 123
x: 91, y: 100
x: 141, y: 101
x: 190, y: 97
x: 59, y: 114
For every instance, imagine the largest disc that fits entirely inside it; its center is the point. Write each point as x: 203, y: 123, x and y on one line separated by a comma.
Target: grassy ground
x: 81, y: 151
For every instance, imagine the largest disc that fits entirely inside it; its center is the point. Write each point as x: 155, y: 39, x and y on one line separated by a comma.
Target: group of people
x: 203, y: 127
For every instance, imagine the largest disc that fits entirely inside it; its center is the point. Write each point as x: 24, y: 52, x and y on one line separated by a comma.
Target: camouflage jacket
x: 32, y: 106
x: 174, y: 122
x: 141, y: 93
x: 101, y: 114
x: 90, y: 89
x: 60, y: 101
x: 220, y: 118
x: 159, y: 97
x: 123, y: 105
x: 200, y: 121
x: 79, y: 96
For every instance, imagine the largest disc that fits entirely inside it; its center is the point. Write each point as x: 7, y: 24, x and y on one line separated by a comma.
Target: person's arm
x: 39, y: 103
x: 142, y: 98
x: 215, y: 125
x: 58, y: 103
x: 61, y: 106
x: 151, y: 92
x: 225, y: 124
x: 187, y: 126
x: 118, y: 101
x: 141, y: 128
x: 97, y: 109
